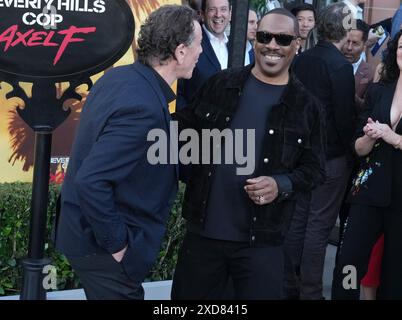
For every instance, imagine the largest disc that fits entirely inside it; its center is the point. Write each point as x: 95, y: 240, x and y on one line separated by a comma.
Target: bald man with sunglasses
x: 236, y: 223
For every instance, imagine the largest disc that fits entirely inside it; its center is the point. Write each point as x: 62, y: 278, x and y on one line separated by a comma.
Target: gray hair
x: 163, y: 31
x: 334, y: 22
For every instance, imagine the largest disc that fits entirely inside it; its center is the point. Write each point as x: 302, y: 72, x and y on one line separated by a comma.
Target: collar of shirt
x: 246, y: 56
x: 212, y: 37
x: 220, y: 48
x: 357, y: 64
x: 167, y: 91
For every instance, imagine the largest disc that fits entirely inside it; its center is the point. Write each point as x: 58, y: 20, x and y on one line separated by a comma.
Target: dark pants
x: 364, y: 226
x: 345, y: 208
x: 103, y: 278
x: 205, y: 266
x: 307, y: 239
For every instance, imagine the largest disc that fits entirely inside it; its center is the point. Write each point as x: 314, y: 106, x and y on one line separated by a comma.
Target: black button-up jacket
x: 293, y: 149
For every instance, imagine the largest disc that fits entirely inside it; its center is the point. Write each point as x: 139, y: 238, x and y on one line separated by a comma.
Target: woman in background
x: 375, y: 196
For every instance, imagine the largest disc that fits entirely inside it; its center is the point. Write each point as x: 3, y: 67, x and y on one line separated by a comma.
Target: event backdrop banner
x: 56, y: 40
x: 63, y: 39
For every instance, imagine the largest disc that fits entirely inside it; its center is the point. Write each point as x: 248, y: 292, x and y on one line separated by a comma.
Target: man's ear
x: 298, y: 44
x: 180, y: 53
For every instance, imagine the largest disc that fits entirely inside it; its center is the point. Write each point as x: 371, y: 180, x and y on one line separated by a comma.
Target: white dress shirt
x: 220, y: 48
x: 356, y: 65
x: 247, y: 56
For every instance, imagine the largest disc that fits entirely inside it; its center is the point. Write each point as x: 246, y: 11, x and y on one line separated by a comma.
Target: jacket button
x: 299, y: 141
x: 271, y: 131
x: 227, y: 119
x: 254, y: 219
x: 209, y: 173
x: 253, y: 238
x: 207, y: 115
x: 266, y: 160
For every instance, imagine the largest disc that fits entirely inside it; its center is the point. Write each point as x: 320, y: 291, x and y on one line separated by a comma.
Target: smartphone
x: 379, y: 31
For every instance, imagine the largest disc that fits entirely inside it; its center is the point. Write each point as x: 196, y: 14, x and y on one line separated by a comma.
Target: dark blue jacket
x: 207, y: 65
x: 112, y: 195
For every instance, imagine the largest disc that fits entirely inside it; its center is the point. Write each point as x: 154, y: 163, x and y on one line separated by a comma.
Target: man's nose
x: 272, y: 44
x: 218, y: 12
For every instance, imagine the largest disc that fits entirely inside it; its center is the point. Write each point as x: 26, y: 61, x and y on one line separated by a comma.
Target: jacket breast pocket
x: 208, y: 114
x: 294, y: 145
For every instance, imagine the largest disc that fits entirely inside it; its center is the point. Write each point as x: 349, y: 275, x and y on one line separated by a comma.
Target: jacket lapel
x: 209, y: 51
x: 386, y: 102
x: 153, y: 82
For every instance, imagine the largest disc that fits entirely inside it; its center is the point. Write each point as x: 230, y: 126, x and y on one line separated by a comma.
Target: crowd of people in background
x: 328, y: 145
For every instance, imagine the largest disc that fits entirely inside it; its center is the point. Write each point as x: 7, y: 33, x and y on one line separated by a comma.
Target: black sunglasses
x: 283, y: 40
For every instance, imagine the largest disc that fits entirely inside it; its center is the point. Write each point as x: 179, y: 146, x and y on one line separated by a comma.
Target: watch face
x: 62, y: 40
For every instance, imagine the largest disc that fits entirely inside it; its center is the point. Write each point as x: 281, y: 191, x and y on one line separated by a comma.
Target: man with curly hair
x: 114, y: 203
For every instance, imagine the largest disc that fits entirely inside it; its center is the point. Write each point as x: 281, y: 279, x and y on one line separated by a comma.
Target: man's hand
x: 118, y: 256
x: 373, y: 37
x: 262, y: 190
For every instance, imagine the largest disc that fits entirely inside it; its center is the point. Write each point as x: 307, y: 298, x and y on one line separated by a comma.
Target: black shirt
x: 167, y: 91
x: 228, y: 209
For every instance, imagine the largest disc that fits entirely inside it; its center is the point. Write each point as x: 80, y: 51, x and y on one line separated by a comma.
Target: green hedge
x: 14, y: 234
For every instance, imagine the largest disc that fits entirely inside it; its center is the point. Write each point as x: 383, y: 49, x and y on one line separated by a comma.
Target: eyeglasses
x: 283, y: 40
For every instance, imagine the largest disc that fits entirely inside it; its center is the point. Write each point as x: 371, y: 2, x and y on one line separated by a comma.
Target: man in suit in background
x: 352, y: 50
x: 214, y: 58
x: 364, y: 73
x: 114, y: 203
x: 251, y: 34
x: 329, y: 76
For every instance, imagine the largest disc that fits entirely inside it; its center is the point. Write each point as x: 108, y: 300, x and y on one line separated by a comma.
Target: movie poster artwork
x: 38, y: 18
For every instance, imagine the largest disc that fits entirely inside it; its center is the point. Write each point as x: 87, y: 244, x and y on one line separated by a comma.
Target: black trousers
x: 364, y: 225
x: 103, y: 278
x: 206, y: 265
x: 345, y: 208
x: 307, y: 238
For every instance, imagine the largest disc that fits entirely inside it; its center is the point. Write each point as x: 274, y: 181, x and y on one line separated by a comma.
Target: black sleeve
x: 343, y: 97
x: 367, y: 111
x: 310, y: 171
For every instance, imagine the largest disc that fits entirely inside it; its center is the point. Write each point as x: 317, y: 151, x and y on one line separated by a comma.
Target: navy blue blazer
x: 112, y: 195
x: 207, y: 65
